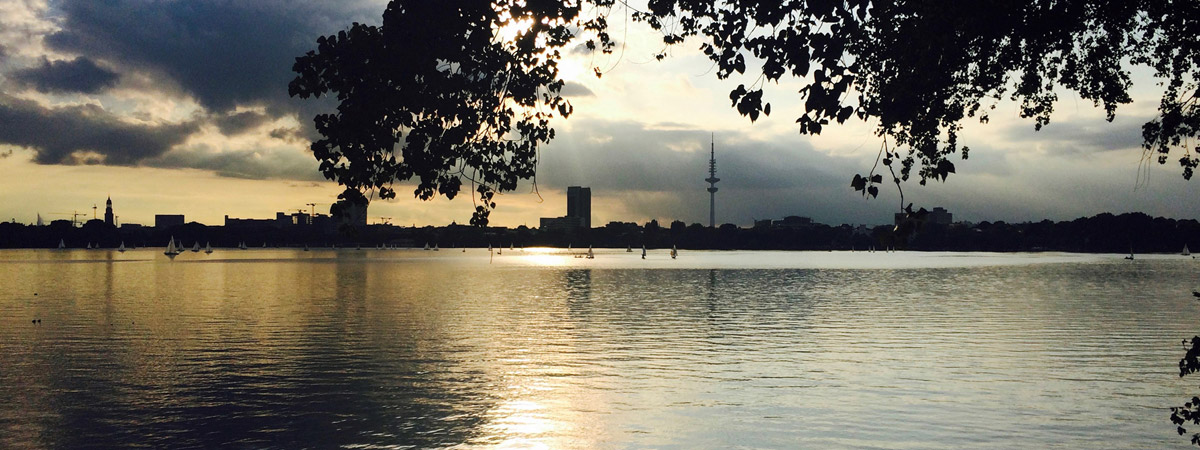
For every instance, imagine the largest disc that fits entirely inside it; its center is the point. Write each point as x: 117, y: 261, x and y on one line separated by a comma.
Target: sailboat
x: 242, y: 245
x: 89, y: 246
x: 208, y: 248
x: 1186, y: 252
x: 196, y: 247
x: 172, y: 249
x: 306, y: 247
x: 122, y: 247
x: 674, y: 252
x: 435, y: 248
x: 628, y: 249
x: 510, y: 246
x: 426, y: 246
x: 590, y: 254
x: 62, y: 244
x: 1130, y: 257
x: 643, y: 252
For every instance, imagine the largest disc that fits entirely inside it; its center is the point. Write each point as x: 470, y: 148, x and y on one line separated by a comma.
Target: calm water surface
x: 535, y: 349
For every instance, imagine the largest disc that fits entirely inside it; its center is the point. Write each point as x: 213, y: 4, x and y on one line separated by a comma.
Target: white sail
x: 628, y: 249
x: 89, y: 246
x: 196, y: 247
x: 208, y: 248
x: 590, y: 254
x: 643, y: 252
x: 426, y: 246
x: 62, y: 244
x: 122, y: 247
x: 172, y: 249
x: 1186, y: 252
x: 674, y: 252
x: 435, y: 248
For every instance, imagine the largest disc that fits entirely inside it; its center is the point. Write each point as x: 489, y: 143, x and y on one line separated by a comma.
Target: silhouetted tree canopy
x: 466, y: 88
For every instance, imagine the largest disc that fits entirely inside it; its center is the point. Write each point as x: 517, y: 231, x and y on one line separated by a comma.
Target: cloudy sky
x: 182, y: 107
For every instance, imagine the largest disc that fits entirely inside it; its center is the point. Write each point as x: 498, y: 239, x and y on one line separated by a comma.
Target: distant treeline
x: 1103, y: 233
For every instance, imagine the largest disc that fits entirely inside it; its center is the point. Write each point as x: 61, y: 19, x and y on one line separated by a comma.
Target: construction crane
x: 385, y: 220
x: 74, y: 216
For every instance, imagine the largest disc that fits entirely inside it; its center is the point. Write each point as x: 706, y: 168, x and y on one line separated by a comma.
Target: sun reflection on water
x: 545, y: 256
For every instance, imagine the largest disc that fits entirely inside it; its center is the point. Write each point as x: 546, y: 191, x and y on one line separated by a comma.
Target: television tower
x: 712, y: 184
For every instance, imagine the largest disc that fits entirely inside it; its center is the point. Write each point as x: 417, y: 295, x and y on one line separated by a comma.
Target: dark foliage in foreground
x: 455, y: 92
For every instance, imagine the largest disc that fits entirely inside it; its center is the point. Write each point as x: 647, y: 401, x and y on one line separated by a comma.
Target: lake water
x: 277, y: 348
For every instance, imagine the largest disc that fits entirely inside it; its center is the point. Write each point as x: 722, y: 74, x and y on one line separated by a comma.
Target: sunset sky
x: 182, y: 107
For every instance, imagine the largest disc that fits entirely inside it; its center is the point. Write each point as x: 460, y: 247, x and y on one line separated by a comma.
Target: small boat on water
x: 643, y: 252
x: 628, y: 249
x: 435, y: 248
x: 1185, y: 252
x: 196, y: 247
x: 1130, y: 257
x: 674, y: 252
x: 208, y: 248
x: 427, y: 246
x: 172, y: 249
x: 590, y: 254
x: 122, y: 247
x: 242, y: 245
x: 62, y: 244
x: 89, y: 246
x: 306, y: 247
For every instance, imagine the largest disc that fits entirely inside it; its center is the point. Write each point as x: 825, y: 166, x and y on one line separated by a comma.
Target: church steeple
x: 108, y: 213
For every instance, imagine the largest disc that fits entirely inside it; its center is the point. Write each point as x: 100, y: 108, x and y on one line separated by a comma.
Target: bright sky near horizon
x: 182, y: 107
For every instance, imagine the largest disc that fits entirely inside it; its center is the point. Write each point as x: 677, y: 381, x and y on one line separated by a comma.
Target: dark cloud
x: 1081, y: 136
x: 659, y: 172
x: 78, y: 75
x: 575, y: 89
x: 84, y: 134
x: 290, y: 135
x: 222, y: 53
x: 257, y: 164
x: 238, y: 123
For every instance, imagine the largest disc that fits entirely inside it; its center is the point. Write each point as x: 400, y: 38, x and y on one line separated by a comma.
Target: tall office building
x: 108, y: 213
x: 579, y: 204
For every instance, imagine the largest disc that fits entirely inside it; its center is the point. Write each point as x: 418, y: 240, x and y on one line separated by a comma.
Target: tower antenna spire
x: 712, y: 181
